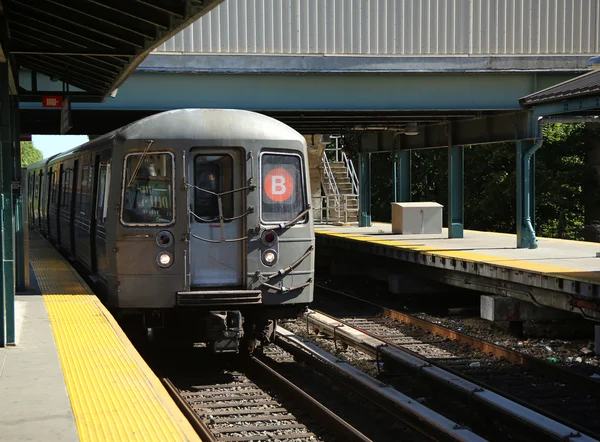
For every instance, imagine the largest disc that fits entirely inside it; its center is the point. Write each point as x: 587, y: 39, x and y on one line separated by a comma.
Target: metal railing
x: 335, y: 208
x: 350, y: 172
x: 328, y: 179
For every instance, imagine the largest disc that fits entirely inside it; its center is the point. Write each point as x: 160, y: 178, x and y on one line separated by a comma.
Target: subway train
x: 190, y: 221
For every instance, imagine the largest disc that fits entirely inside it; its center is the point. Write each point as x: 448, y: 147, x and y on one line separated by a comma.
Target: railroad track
x: 559, y: 394
x: 231, y: 406
x: 252, y: 402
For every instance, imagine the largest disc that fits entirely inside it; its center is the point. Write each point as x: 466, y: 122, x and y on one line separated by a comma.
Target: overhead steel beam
x: 93, y: 51
x: 576, y: 105
x: 490, y: 129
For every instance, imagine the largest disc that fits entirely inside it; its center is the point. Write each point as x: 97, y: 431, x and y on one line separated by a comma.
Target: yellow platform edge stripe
x: 114, y: 395
x: 511, y: 263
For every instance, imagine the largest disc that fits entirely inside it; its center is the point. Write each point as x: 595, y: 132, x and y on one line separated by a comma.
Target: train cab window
x: 283, y: 195
x: 148, y: 197
x: 212, y: 174
x: 83, y: 190
x: 103, y: 190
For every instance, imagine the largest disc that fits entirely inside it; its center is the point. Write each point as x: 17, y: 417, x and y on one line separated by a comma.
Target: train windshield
x: 213, y: 175
x: 149, y: 199
x: 283, y: 196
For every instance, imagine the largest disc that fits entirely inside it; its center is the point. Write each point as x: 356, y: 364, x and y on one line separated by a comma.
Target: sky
x: 53, y: 144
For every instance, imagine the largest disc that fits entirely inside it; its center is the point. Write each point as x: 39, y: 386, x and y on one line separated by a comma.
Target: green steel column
x: 364, y: 170
x: 404, y: 182
x: 7, y: 331
x: 456, y: 190
x: 525, y: 193
x: 21, y: 260
x: 396, y: 167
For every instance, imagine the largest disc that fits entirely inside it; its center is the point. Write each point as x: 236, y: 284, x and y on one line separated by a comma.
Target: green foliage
x: 29, y: 154
x: 562, y: 176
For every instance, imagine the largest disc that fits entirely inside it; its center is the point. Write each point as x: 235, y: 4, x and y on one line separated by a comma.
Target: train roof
x: 193, y: 124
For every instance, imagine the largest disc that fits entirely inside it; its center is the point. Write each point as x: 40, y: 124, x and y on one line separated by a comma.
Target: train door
x: 47, y: 209
x: 214, y: 261
x: 32, y: 192
x: 39, y: 198
x: 73, y: 181
x: 59, y: 199
x: 99, y: 213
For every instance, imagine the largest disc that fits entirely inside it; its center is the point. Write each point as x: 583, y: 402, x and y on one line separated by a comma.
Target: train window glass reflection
x: 282, y: 187
x: 148, y: 196
x: 213, y: 173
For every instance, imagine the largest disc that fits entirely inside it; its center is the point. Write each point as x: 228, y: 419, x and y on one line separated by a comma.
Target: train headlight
x: 269, y: 257
x: 164, y: 259
x: 164, y: 239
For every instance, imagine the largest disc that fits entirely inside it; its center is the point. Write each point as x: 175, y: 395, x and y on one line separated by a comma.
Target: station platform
x: 562, y: 274
x: 74, y: 374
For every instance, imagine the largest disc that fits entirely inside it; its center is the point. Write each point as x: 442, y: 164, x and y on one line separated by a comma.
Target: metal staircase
x: 339, y: 184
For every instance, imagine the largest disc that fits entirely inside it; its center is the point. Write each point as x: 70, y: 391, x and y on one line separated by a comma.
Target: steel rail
x: 325, y: 416
x: 317, y: 411
x: 202, y: 430
x: 377, y: 347
x: 421, y: 418
x: 480, y: 344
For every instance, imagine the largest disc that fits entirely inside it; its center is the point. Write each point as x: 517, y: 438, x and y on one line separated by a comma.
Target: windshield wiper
x: 296, y: 219
x: 137, y: 166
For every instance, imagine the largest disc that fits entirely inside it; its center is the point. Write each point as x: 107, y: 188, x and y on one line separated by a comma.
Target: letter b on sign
x: 279, y: 185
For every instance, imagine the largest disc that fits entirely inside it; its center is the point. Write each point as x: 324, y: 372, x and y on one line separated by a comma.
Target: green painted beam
x: 404, y: 182
x: 364, y: 198
x: 526, y: 238
x: 576, y: 106
x: 456, y: 188
x: 7, y: 333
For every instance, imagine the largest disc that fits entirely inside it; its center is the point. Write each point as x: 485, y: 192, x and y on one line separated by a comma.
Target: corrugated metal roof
x: 394, y: 27
x: 94, y: 45
x: 585, y: 84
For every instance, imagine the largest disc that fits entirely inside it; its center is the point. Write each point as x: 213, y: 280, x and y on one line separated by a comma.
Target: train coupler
x: 225, y: 329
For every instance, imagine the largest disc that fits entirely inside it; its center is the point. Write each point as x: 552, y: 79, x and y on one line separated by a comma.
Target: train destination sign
x: 279, y: 185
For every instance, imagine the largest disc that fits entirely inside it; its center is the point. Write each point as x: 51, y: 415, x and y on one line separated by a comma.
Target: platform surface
x: 74, y: 375
x: 575, y: 260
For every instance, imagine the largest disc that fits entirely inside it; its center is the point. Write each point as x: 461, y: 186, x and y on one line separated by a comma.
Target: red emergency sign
x: 279, y: 185
x: 52, y: 101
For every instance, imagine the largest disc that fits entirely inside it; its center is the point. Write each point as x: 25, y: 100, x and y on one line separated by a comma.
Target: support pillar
x: 456, y: 190
x: 404, y: 182
x: 7, y: 299
x: 597, y: 339
x: 21, y: 258
x: 525, y: 193
x: 364, y: 167
x: 402, y: 172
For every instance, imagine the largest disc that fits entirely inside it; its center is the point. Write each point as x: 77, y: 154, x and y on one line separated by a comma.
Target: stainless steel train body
x: 193, y: 217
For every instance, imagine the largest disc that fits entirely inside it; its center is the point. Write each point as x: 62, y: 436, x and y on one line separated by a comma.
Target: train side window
x: 83, y: 190
x: 212, y: 173
x: 148, y: 197
x: 283, y: 194
x: 103, y: 189
x: 66, y: 194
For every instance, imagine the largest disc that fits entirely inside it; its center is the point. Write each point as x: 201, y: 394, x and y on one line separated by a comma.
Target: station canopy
x: 92, y: 45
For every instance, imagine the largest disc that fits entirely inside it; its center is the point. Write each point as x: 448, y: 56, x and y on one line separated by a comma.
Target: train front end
x: 215, y: 239
x: 250, y: 257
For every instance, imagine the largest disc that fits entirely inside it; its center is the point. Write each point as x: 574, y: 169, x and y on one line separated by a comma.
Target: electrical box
x: 422, y: 217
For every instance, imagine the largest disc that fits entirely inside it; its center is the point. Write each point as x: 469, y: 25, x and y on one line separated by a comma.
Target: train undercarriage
x: 222, y: 330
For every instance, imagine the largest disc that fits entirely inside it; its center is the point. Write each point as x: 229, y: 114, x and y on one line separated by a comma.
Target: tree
x: 29, y: 154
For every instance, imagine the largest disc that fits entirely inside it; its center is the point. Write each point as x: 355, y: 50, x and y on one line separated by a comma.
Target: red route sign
x: 52, y: 101
x: 279, y: 185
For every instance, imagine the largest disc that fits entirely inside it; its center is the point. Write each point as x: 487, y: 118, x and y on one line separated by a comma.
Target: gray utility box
x: 410, y: 218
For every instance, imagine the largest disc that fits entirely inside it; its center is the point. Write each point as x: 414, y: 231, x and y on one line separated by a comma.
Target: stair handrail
x: 351, y: 172
x: 331, y: 183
